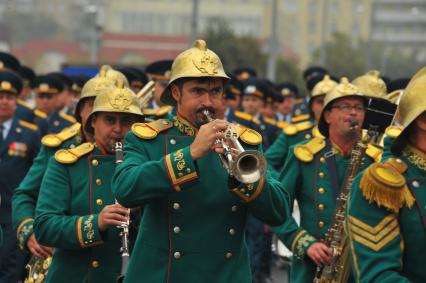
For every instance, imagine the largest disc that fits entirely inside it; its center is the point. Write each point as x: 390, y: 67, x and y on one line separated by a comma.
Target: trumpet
x: 145, y: 94
x: 248, y: 166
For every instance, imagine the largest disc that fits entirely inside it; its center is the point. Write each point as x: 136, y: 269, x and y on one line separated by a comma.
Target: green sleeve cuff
x: 88, y: 233
x: 24, y: 231
x: 301, y: 243
x: 248, y: 192
x: 181, y: 168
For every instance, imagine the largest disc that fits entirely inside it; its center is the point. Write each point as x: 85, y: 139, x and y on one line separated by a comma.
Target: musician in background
x: 386, y: 215
x: 25, y: 196
x: 75, y: 210
x: 313, y: 175
x: 194, y: 217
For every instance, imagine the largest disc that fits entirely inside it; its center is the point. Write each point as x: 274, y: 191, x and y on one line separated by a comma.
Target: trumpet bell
x: 249, y: 166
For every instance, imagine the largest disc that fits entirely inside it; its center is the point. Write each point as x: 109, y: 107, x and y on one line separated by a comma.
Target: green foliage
x: 240, y: 51
x: 342, y: 59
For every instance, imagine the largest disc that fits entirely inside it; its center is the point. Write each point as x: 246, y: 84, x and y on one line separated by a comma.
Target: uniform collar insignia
x: 184, y: 126
x: 415, y: 156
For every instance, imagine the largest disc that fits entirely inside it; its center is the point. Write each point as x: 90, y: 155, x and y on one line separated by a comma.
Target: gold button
x: 98, y: 182
x: 234, y: 208
x: 242, y: 190
x: 232, y: 232
x: 56, y: 123
x: 176, y: 230
x: 307, y: 136
x: 321, y: 224
x: 173, y: 141
x: 416, y: 184
x: 180, y: 174
x: 321, y: 174
x: 95, y: 264
x: 321, y: 190
x: 99, y: 201
x: 322, y: 159
x: 18, y: 130
x: 95, y: 162
x: 188, y: 170
x: 176, y: 206
x: 165, y: 122
x: 228, y: 255
x: 177, y: 255
x: 321, y: 206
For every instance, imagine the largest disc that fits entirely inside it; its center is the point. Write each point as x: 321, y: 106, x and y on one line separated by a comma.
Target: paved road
x: 279, y: 273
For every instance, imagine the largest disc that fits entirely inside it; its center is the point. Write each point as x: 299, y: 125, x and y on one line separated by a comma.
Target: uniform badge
x: 17, y: 149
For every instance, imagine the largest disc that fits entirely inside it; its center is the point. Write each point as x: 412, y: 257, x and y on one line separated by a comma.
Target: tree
x: 234, y: 51
x: 240, y: 51
x: 341, y: 58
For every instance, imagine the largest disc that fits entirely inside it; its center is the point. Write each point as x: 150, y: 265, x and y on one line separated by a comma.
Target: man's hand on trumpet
x: 207, y: 137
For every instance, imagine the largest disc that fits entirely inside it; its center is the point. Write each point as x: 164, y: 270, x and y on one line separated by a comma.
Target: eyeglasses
x: 347, y: 108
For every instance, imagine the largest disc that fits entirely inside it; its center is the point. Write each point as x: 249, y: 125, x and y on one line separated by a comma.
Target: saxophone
x: 339, y: 269
x: 124, y: 227
x: 37, y: 269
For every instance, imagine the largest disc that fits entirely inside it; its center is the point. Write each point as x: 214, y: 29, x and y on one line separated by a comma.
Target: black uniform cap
x: 10, y: 82
x: 8, y: 61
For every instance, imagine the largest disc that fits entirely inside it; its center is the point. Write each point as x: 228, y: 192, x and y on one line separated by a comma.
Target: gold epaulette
x: 300, y: 118
x: 40, y: 114
x: 384, y: 184
x: 393, y: 131
x: 374, y: 152
x: 70, y: 156
x: 163, y: 110
x: 244, y: 116
x: 293, y: 129
x: 270, y: 121
x: 282, y: 124
x: 67, y: 117
x: 306, y: 152
x: 28, y: 125
x: 54, y: 140
x: 25, y: 104
x: 148, y: 131
x: 157, y: 112
x: 249, y: 136
x: 316, y: 133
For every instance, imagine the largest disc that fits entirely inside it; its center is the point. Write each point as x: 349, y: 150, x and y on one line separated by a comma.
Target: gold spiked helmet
x: 342, y: 90
x: 195, y: 62
x: 371, y: 85
x: 411, y: 106
x: 323, y: 87
x: 118, y: 99
x: 96, y: 84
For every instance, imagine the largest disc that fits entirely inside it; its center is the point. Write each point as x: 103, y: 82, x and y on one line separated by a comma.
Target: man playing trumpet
x: 194, y: 212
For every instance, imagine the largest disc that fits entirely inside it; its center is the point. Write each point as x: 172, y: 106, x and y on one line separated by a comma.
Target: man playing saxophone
x: 313, y: 174
x: 194, y: 211
x: 76, y: 211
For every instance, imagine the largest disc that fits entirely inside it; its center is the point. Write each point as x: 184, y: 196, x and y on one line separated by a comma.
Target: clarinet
x: 124, y: 227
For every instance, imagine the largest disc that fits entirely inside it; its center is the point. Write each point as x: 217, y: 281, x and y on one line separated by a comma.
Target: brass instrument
x: 37, y: 269
x: 248, y: 166
x: 124, y: 227
x: 339, y: 269
x: 146, y: 94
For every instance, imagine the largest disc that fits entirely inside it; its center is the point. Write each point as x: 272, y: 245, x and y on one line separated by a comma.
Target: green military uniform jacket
x: 193, y: 223
x: 75, y: 188
x: 291, y: 134
x: 306, y: 177
x: 25, y: 197
x: 387, y: 220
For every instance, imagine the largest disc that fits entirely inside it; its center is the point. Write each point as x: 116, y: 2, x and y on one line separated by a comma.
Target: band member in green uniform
x: 386, y: 215
x: 76, y: 213
x: 313, y: 173
x: 194, y: 216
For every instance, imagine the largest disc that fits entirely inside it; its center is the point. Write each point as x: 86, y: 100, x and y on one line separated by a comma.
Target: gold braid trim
x: 385, y: 186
